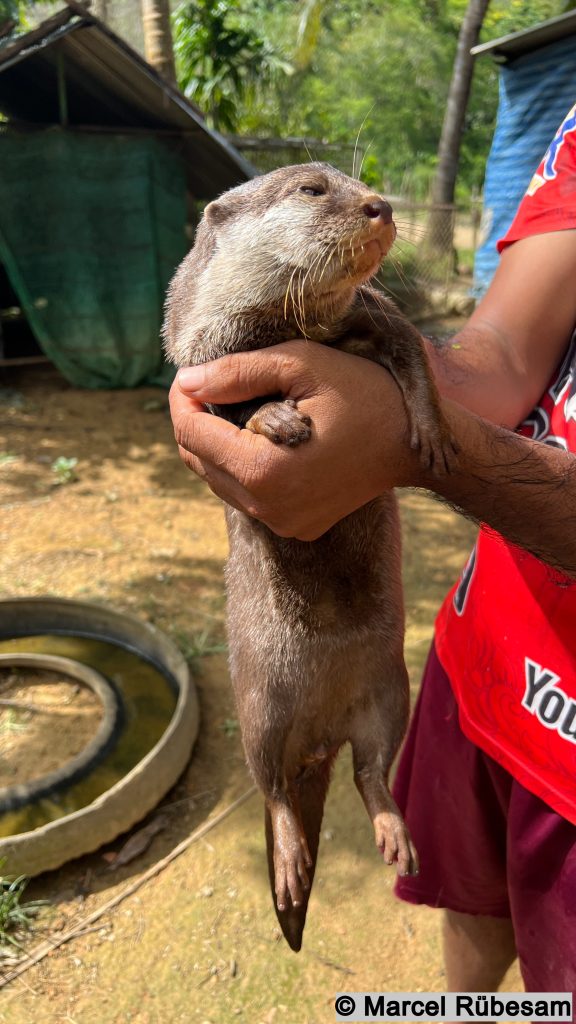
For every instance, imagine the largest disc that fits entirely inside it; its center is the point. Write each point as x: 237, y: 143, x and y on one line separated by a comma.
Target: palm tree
x: 158, y: 37
x: 220, y: 58
x: 441, y: 225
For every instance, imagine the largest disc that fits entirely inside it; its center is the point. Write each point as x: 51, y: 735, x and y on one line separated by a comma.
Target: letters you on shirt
x: 543, y: 698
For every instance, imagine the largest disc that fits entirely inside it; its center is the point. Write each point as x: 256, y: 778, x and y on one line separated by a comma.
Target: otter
x: 316, y: 628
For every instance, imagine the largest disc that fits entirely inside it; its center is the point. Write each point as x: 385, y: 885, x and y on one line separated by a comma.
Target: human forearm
x: 499, y: 364
x: 523, y: 489
x: 477, y: 369
x: 359, y: 448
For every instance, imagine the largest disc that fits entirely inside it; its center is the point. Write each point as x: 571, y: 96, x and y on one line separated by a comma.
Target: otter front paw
x: 281, y: 423
x: 438, y: 449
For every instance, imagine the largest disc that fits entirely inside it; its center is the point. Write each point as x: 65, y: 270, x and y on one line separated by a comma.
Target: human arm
x: 360, y: 448
x: 499, y: 364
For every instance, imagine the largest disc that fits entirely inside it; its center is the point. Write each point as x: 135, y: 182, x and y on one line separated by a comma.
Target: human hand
x: 359, y: 446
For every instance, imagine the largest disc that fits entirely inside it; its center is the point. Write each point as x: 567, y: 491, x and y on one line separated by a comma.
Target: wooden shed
x: 101, y: 164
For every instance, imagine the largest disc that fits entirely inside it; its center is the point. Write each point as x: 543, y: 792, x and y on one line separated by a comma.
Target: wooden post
x: 62, y: 94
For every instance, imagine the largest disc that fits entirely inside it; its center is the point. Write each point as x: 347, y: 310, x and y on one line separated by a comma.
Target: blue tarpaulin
x: 536, y: 92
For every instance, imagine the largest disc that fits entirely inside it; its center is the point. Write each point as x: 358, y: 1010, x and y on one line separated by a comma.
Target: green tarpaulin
x: 91, y: 230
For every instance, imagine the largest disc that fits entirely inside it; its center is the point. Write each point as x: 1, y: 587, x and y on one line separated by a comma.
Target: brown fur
x: 315, y: 629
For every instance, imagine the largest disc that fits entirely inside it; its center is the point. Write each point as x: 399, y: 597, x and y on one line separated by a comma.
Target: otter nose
x: 378, y: 208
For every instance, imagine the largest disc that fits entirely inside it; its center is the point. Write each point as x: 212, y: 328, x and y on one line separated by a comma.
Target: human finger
x: 198, y: 431
x: 221, y: 483
x: 245, y: 375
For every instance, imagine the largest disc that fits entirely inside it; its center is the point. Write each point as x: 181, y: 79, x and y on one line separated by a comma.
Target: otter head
x: 291, y: 245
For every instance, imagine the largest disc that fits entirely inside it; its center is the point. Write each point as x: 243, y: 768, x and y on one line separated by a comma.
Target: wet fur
x: 315, y: 629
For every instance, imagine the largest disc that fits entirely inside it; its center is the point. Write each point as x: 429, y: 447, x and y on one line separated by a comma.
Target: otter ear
x: 218, y: 211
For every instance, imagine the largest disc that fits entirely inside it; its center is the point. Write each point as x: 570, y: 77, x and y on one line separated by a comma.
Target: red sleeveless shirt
x: 506, y: 634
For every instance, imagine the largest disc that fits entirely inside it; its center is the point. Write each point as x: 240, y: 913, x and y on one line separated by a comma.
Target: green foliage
x: 220, y: 58
x: 9, y: 11
x: 338, y: 70
x: 505, y: 16
x: 377, y: 75
x: 64, y: 470
x: 379, y: 70
x: 230, y: 727
x: 15, y: 916
x: 20, y: 11
x: 195, y: 646
x: 370, y: 172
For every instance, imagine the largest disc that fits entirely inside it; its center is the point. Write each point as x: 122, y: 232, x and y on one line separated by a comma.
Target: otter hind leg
x: 392, y: 836
x: 375, y: 737
x: 294, y: 801
x: 290, y: 855
x: 292, y: 837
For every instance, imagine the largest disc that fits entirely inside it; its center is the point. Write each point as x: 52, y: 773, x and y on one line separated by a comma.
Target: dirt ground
x: 198, y: 943
x: 46, y: 721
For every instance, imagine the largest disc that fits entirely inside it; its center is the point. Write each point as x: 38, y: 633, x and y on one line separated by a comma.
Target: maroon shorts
x: 486, y: 844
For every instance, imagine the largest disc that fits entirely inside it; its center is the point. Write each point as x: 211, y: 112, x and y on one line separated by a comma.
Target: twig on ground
x: 155, y: 869
x: 330, y: 963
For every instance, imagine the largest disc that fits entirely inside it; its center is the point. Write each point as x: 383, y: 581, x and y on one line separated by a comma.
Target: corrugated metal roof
x: 109, y: 87
x: 509, y: 47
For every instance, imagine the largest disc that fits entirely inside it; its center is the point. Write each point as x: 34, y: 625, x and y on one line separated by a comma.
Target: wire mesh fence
x: 265, y: 154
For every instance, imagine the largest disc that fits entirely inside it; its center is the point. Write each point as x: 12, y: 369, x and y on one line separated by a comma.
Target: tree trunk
x: 442, y: 221
x: 158, y: 37
x: 100, y: 9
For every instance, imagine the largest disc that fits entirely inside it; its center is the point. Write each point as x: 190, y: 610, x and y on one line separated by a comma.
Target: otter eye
x: 308, y: 190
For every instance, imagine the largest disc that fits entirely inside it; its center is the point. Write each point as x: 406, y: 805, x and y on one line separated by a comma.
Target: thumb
x: 196, y: 430
x: 245, y: 375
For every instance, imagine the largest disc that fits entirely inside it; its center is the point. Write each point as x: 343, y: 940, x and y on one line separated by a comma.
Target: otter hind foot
x: 292, y: 859
x: 391, y: 834
x: 281, y: 423
x: 393, y: 841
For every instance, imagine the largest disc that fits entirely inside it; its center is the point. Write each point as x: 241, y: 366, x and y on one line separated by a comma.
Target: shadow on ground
x: 198, y: 943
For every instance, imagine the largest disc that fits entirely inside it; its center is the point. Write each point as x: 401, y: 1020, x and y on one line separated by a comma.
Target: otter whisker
x: 301, y: 299
x: 364, y: 303
x: 313, y: 267
x: 309, y: 276
x: 411, y: 232
x: 405, y: 241
x: 330, y: 256
x: 381, y: 303
x: 386, y: 287
x: 397, y: 264
x: 364, y: 155
x: 366, y: 116
x: 299, y: 315
x: 289, y: 293
x: 291, y: 284
x: 401, y: 274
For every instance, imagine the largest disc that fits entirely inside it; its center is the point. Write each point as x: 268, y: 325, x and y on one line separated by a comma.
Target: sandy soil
x: 199, y: 942
x: 45, y: 721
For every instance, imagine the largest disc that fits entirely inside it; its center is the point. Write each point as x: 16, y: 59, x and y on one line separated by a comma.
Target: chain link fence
x: 434, y: 252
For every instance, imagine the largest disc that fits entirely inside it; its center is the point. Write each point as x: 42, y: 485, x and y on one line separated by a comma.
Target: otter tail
x: 309, y: 798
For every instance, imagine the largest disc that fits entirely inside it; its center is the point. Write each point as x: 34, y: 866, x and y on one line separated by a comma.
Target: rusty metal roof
x: 518, y: 43
x: 72, y: 70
